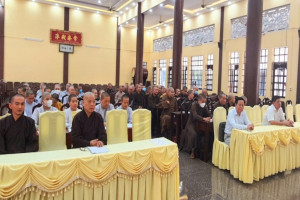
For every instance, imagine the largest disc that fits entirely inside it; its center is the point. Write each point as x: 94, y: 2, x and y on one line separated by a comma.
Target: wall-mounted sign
x: 65, y: 37
x: 66, y: 48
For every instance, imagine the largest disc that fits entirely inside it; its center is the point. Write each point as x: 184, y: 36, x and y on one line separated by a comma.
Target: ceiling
x: 159, y: 15
x: 164, y: 14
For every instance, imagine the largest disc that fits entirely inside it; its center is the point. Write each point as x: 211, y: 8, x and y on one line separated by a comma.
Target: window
x: 163, y: 72
x: 280, y: 71
x: 184, y: 71
x: 170, y: 72
x: 263, y: 66
x: 154, y: 73
x: 209, y: 72
x: 233, y: 72
x: 196, y: 72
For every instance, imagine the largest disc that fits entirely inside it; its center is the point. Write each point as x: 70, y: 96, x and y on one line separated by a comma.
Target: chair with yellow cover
x: 264, y: 109
x: 256, y: 111
x: 116, y: 126
x: 230, y: 108
x: 141, y: 124
x: 75, y: 113
x: 249, y: 111
x: 297, y: 112
x: 289, y: 112
x: 221, y: 150
x: 6, y: 115
x: 52, y: 131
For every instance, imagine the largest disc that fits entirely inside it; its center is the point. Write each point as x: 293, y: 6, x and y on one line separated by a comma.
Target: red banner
x: 65, y: 37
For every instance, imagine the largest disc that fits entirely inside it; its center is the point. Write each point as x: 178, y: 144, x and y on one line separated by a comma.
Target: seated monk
x: 17, y: 132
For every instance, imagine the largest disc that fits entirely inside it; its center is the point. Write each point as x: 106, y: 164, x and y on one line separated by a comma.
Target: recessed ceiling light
x: 165, y: 24
x: 161, y: 5
x: 78, y: 8
x: 133, y: 19
x: 56, y: 4
x: 97, y: 12
x: 211, y: 8
x: 99, y: 1
x: 33, y: 0
x: 229, y: 2
x: 133, y: 3
x: 126, y: 22
x: 150, y: 10
x: 121, y: 12
x: 156, y: 28
x: 197, y: 14
x: 126, y: 8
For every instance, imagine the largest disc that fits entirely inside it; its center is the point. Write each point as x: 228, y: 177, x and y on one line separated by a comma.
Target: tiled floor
x: 202, y: 180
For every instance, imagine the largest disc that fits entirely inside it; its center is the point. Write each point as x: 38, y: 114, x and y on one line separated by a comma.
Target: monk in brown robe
x: 189, y: 139
x: 168, y: 104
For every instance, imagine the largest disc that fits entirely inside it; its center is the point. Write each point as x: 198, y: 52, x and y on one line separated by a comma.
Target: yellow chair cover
x: 249, y: 111
x: 289, y: 112
x: 141, y: 125
x: 256, y: 115
x: 263, y: 111
x: 116, y: 126
x: 52, y: 130
x: 230, y: 108
x: 221, y: 151
x: 75, y: 113
x: 6, y: 115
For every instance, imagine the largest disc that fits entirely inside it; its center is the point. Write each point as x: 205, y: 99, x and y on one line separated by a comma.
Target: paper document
x: 159, y: 142
x: 96, y: 150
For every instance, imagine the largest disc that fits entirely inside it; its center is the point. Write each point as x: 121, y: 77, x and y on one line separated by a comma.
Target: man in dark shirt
x: 187, y: 103
x: 221, y: 102
x: 153, y: 101
x: 17, y: 132
x: 130, y: 93
x: 109, y: 89
x: 88, y: 126
x: 138, y: 98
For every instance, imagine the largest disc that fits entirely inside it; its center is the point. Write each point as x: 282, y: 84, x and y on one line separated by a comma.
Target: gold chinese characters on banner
x: 65, y: 37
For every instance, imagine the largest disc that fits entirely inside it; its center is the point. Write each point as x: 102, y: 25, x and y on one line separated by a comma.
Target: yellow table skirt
x: 137, y: 170
x: 220, y: 157
x: 263, y: 152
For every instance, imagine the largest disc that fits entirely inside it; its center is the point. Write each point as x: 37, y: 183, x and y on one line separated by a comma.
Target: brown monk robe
x: 168, y: 104
x: 189, y: 140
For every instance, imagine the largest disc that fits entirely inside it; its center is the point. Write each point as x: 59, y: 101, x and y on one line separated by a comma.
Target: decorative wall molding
x: 192, y: 38
x: 274, y: 19
x: 163, y: 44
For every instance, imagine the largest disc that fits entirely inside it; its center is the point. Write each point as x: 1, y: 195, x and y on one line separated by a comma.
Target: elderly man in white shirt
x: 73, y: 102
x: 47, y: 106
x: 71, y: 90
x: 29, y: 103
x: 40, y: 92
x: 237, y: 118
x: 275, y: 116
x: 56, y: 89
x: 104, y: 106
x: 125, y: 106
x: 119, y: 94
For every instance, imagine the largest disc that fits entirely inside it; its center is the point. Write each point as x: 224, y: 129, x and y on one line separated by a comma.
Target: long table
x: 264, y: 151
x: 146, y: 169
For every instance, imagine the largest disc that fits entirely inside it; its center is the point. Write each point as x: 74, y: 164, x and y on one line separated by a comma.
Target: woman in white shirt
x: 73, y: 102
